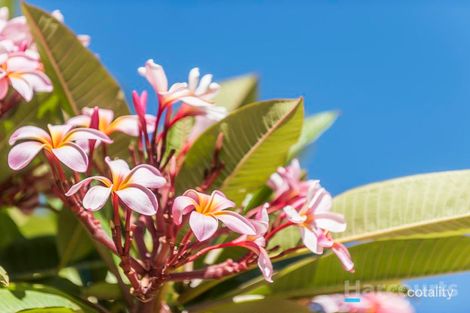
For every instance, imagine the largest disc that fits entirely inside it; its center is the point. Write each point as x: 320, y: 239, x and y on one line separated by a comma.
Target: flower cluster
x: 20, y: 66
x: 142, y: 197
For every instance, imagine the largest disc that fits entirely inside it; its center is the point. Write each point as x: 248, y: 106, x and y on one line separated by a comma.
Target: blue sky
x: 399, y: 71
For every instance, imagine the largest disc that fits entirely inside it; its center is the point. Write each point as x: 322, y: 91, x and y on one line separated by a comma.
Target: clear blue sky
x: 398, y: 70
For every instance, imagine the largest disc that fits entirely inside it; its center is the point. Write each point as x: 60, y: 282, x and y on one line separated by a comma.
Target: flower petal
x: 155, y: 75
x: 181, y: 206
x: 127, y: 124
x: 139, y: 199
x: 293, y: 215
x: 29, y: 132
x: 145, y: 175
x: 119, y: 168
x: 22, y: 154
x: 203, y: 226
x: 80, y: 120
x: 83, y: 183
x: 38, y: 80
x: 333, y: 222
x: 235, y: 222
x: 96, y: 197
x: 261, y: 221
x: 22, y: 87
x: 87, y: 134
x: 3, y: 87
x: 193, y: 78
x: 265, y: 265
x: 72, y: 156
x: 343, y: 254
x: 220, y: 202
x: 310, y: 240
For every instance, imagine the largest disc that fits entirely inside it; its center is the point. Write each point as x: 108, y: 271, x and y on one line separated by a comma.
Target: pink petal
x: 127, y: 124
x: 119, y: 168
x: 310, y: 240
x: 22, y: 154
x: 106, y: 116
x: 80, y: 120
x: 87, y: 134
x: 58, y: 132
x: 196, y: 102
x: 139, y: 199
x: 21, y: 62
x: 204, y: 84
x: 203, y: 226
x: 293, y: 215
x: 235, y: 222
x: 155, y: 75
x: 72, y: 156
x: 333, y: 222
x: 193, y: 78
x: 326, y: 202
x: 38, y: 80
x: 3, y: 87
x: 220, y: 202
x: 22, y: 87
x: 146, y: 175
x: 181, y: 206
x: 343, y: 254
x: 265, y: 265
x: 261, y: 221
x: 96, y: 197
x: 29, y: 132
x: 75, y: 188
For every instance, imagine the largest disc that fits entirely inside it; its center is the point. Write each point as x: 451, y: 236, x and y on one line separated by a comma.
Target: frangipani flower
x: 156, y: 76
x: 59, y: 142
x: 288, y: 180
x: 132, y: 187
x: 206, y: 211
x: 326, y: 241
x: 314, y: 215
x: 22, y: 72
x: 257, y: 243
x: 128, y: 124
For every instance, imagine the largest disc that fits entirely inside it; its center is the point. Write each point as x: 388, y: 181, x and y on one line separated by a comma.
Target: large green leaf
x: 314, y: 126
x: 257, y: 138
x: 79, y: 79
x: 41, y: 223
x: 377, y: 263
x: 418, y: 205
x: 237, y: 91
x: 73, y: 242
x: 25, y: 297
x: 414, y: 205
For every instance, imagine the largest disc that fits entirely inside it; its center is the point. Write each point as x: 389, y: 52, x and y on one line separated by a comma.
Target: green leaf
x: 73, y: 242
x: 257, y: 138
x: 40, y: 223
x: 258, y: 306
x: 178, y: 134
x: 79, y: 79
x: 314, y: 127
x: 413, y: 205
x: 377, y: 263
x: 23, y: 297
x: 102, y: 290
x: 237, y: 91
x: 9, y: 230
x: 4, y: 279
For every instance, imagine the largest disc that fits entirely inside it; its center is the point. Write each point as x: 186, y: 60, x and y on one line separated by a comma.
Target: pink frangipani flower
x: 60, y: 142
x: 132, y: 187
x: 128, y: 124
x: 288, y: 180
x: 314, y: 215
x: 257, y: 243
x: 156, y: 76
x: 22, y: 72
x: 206, y: 211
